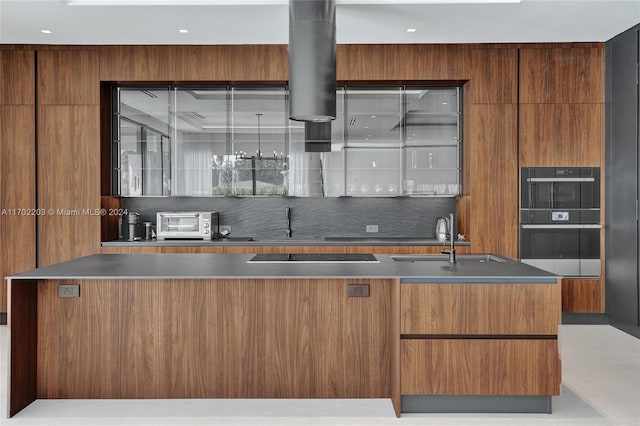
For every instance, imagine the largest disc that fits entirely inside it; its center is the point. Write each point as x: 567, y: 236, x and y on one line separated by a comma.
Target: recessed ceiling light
x: 45, y: 31
x: 183, y: 31
x: 411, y: 30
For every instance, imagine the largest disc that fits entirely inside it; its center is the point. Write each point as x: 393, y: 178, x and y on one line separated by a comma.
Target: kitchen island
x: 477, y: 335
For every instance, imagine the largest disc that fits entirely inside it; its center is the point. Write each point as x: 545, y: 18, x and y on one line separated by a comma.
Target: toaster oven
x: 187, y: 225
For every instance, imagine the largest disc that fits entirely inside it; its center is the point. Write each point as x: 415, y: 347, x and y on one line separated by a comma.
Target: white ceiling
x: 21, y: 22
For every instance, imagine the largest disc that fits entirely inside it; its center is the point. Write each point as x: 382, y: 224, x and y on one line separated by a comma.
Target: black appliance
x: 130, y: 227
x: 560, y: 220
x: 560, y: 188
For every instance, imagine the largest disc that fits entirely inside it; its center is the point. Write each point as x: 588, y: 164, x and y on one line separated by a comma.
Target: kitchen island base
x: 138, y: 327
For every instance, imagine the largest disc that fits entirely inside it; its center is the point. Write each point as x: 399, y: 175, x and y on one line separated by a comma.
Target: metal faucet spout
x: 287, y: 216
x: 452, y: 239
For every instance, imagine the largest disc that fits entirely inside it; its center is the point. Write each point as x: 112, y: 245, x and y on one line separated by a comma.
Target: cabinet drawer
x: 485, y: 309
x: 524, y: 367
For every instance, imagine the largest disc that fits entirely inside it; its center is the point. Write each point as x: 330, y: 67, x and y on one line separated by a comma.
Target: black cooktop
x: 314, y: 258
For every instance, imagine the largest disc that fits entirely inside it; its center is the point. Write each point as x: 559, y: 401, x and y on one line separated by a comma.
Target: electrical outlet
x: 68, y: 290
x: 225, y: 228
x: 358, y: 290
x: 371, y: 228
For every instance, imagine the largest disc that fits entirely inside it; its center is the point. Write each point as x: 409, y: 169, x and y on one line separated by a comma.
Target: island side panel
x: 395, y: 349
x: 22, y: 325
x: 298, y: 338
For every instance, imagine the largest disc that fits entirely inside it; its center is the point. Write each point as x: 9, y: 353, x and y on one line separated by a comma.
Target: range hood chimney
x: 312, y: 60
x: 317, y: 137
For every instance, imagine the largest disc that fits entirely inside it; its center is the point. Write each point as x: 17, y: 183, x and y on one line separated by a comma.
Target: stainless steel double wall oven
x: 560, y: 220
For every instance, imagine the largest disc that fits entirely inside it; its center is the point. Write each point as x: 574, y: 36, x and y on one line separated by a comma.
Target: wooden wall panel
x: 69, y: 180
x: 136, y: 63
x: 22, y: 315
x: 17, y: 194
x: 480, y: 309
x: 561, y: 135
x: 214, y: 339
x: 68, y: 77
x: 493, y: 76
x: 235, y: 63
x: 401, y: 62
x: 493, y: 168
x: 195, y: 63
x: 16, y: 77
x: 583, y: 296
x: 562, y: 75
x: 480, y: 367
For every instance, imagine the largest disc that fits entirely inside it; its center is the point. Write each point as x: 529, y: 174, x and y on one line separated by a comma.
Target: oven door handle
x: 586, y: 179
x: 558, y: 226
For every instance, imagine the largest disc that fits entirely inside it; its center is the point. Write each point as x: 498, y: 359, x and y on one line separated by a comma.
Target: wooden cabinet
x: 68, y: 124
x: 562, y: 74
x: 17, y: 77
x: 480, y: 367
x: 68, y: 77
x: 68, y: 184
x: 562, y: 124
x: 479, y: 309
x: 491, y: 339
x: 262, y: 338
x: 582, y: 295
x: 562, y: 135
x: 493, y: 178
x: 17, y: 162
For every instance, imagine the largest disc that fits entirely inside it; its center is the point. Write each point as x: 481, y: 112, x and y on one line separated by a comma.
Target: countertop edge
x: 219, y: 243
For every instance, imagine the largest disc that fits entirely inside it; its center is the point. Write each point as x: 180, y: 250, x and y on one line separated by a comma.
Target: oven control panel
x: 560, y: 216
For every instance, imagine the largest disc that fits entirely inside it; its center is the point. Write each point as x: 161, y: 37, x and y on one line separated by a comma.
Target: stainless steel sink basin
x: 234, y: 239
x: 445, y: 258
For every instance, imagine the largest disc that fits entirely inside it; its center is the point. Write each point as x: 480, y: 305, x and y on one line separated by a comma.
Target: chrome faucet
x: 287, y: 216
x: 452, y: 239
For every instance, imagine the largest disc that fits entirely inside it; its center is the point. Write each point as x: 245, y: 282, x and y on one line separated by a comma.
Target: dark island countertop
x: 408, y: 268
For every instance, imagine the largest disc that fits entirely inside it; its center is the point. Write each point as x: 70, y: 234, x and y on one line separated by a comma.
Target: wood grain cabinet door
x: 523, y: 367
x: 480, y: 309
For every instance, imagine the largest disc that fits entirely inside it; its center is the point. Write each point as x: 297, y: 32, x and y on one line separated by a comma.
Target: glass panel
x: 386, y: 141
x: 144, y: 144
x: 374, y: 116
x: 431, y: 116
x: 180, y: 224
x: 259, y: 141
x: 373, y: 172
x: 313, y: 173
x: 431, y: 171
x: 155, y: 177
x: 201, y: 139
x: 130, y: 158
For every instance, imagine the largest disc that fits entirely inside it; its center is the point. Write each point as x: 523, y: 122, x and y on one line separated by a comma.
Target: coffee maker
x: 130, y: 227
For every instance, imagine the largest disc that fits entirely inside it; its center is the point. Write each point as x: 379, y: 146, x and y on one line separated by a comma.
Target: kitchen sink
x: 481, y: 258
x: 235, y: 239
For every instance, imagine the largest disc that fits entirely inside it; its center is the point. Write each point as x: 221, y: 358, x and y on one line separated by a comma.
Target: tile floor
x: 601, y: 387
